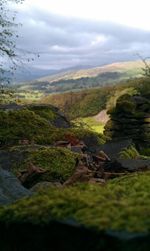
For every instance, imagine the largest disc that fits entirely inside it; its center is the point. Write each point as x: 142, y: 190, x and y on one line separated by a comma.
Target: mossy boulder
x: 118, y: 212
x: 23, y: 124
x: 34, y: 123
x: 38, y: 124
x: 50, y: 113
x: 89, y: 137
x: 58, y: 163
x: 101, y: 208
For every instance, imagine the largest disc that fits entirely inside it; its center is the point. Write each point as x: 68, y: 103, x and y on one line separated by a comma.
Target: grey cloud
x: 64, y: 42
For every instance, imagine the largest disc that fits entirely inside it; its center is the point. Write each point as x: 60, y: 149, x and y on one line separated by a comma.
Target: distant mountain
x: 76, y: 79
x: 23, y: 75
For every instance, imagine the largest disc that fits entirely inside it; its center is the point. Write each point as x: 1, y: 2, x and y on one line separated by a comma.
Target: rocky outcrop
x: 10, y: 188
x: 84, y: 217
x: 57, y: 118
x: 130, y: 119
x: 49, y: 112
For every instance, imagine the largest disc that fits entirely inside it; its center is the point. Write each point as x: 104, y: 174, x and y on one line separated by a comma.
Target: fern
x: 129, y: 153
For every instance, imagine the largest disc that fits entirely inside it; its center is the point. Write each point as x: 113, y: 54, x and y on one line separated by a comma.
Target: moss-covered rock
x: 110, y: 207
x: 22, y: 124
x: 58, y: 163
x: 89, y: 137
x: 51, y: 114
x: 39, y: 125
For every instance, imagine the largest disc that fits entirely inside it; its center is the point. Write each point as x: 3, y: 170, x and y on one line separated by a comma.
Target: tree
x: 7, y: 38
x: 146, y: 63
x: 146, y: 68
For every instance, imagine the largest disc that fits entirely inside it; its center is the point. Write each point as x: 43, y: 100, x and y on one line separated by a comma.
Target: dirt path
x: 102, y: 117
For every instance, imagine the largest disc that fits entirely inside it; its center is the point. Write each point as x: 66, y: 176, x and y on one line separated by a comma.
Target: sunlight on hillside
x: 90, y: 123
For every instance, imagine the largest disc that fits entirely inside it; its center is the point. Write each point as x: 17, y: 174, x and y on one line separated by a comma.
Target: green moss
x: 22, y: 124
x: 59, y: 163
x: 25, y: 124
x: 43, y: 111
x: 121, y: 205
x: 79, y: 133
x: 88, y: 136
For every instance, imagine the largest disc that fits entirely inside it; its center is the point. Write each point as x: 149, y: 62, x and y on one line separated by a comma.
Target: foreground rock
x: 82, y: 217
x: 10, y: 188
x: 68, y: 236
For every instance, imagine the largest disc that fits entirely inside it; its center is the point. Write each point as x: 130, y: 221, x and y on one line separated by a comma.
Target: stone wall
x: 130, y: 119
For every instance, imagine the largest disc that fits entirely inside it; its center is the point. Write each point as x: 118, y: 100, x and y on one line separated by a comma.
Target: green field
x: 90, y: 123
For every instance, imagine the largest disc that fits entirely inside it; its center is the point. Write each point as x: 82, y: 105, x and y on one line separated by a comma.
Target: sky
x: 68, y: 33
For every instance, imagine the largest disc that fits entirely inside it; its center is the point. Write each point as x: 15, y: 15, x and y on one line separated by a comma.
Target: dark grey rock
x: 134, y: 165
x: 113, y: 148
x: 10, y: 188
x: 77, y: 149
x: 68, y: 235
x: 45, y: 185
x: 8, y: 158
x: 61, y: 122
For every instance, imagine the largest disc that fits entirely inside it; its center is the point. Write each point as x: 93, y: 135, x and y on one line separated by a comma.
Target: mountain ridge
x: 74, y: 80
x: 94, y: 71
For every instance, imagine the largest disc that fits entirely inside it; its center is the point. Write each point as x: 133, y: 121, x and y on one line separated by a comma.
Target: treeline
x: 59, y: 86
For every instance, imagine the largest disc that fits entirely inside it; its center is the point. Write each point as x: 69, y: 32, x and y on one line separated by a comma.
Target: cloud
x: 65, y: 42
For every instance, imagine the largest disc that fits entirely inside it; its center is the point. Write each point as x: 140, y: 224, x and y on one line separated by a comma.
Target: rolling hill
x: 85, y: 78
x: 131, y: 68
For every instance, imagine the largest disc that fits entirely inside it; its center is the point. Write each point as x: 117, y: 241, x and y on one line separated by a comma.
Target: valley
x: 75, y: 80
x: 77, y: 162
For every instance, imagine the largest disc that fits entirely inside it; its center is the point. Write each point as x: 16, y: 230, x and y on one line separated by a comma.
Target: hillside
x: 90, y: 102
x: 85, y: 78
x: 130, y: 67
